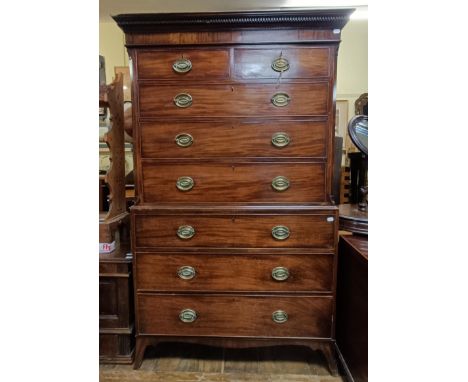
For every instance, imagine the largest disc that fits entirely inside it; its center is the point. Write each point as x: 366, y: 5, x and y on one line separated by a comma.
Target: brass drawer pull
x: 184, y: 140
x: 280, y: 183
x: 280, y: 316
x: 185, y: 183
x: 186, y: 272
x: 183, y: 100
x: 280, y: 140
x: 280, y: 64
x: 185, y: 232
x: 280, y: 273
x: 188, y: 315
x: 182, y: 65
x: 280, y: 232
x: 280, y: 99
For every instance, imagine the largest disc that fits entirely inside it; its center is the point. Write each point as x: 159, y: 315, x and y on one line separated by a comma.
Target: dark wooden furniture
x: 234, y: 233
x: 116, y: 321
x: 116, y: 327
x: 351, y: 324
x: 353, y: 219
x: 358, y: 172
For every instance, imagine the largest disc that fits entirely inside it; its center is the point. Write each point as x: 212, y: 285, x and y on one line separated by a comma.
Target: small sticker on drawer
x: 106, y: 247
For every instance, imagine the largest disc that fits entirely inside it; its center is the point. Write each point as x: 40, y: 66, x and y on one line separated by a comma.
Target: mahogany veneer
x: 235, y: 273
x: 236, y: 231
x: 235, y: 101
x: 245, y: 138
x: 233, y: 181
x: 224, y: 100
x: 236, y: 316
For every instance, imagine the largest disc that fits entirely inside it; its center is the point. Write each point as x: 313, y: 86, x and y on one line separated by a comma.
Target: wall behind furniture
x: 352, y: 63
x: 352, y: 58
x: 111, y: 46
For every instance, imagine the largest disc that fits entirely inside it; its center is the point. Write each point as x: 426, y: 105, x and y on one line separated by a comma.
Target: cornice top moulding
x: 157, y: 22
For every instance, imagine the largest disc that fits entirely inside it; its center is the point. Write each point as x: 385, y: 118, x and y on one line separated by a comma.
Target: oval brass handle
x: 280, y: 273
x: 188, y: 315
x: 280, y: 232
x: 280, y: 316
x: 280, y: 183
x: 183, y: 140
x: 186, y: 272
x: 280, y: 64
x: 183, y: 100
x: 280, y: 99
x: 280, y: 140
x: 183, y: 65
x: 185, y: 183
x: 185, y: 232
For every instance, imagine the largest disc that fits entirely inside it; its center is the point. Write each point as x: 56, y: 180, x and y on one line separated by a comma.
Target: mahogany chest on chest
x: 234, y: 231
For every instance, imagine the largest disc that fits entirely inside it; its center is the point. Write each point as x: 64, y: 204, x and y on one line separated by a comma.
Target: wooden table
x: 351, y: 324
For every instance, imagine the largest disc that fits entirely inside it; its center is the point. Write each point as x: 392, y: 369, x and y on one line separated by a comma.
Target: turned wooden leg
x: 140, y: 347
x: 328, y: 351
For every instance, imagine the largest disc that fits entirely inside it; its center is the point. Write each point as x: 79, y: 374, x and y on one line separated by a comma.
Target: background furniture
x: 116, y: 328
x: 116, y: 339
x: 358, y: 175
x: 352, y: 300
x: 234, y: 232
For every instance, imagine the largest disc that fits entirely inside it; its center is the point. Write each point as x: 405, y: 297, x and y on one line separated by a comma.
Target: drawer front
x: 234, y: 273
x: 234, y: 182
x: 233, y: 100
x: 262, y: 138
x: 184, y: 64
x: 289, y: 62
x: 250, y: 316
x: 242, y: 231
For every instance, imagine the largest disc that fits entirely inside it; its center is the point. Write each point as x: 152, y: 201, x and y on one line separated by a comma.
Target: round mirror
x: 358, y: 131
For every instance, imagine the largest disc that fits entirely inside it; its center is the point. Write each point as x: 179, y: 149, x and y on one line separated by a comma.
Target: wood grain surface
x: 249, y: 138
x: 206, y: 64
x: 304, y: 62
x: 233, y: 182
x: 238, y: 273
x: 235, y: 231
x: 220, y: 315
x: 307, y: 99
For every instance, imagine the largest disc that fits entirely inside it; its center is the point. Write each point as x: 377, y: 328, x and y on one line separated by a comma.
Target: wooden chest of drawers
x: 234, y: 231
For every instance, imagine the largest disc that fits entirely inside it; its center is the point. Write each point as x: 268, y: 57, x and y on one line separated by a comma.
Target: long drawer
x: 259, y: 63
x: 234, y: 273
x: 237, y: 316
x: 233, y: 182
x: 299, y: 99
x: 237, y: 138
x: 184, y: 64
x: 235, y: 231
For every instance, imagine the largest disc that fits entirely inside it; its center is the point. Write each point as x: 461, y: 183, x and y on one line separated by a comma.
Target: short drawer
x: 244, y: 138
x: 300, y: 99
x: 238, y: 316
x: 185, y: 64
x: 234, y: 273
x: 291, y: 63
x: 233, y: 182
x: 236, y: 231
